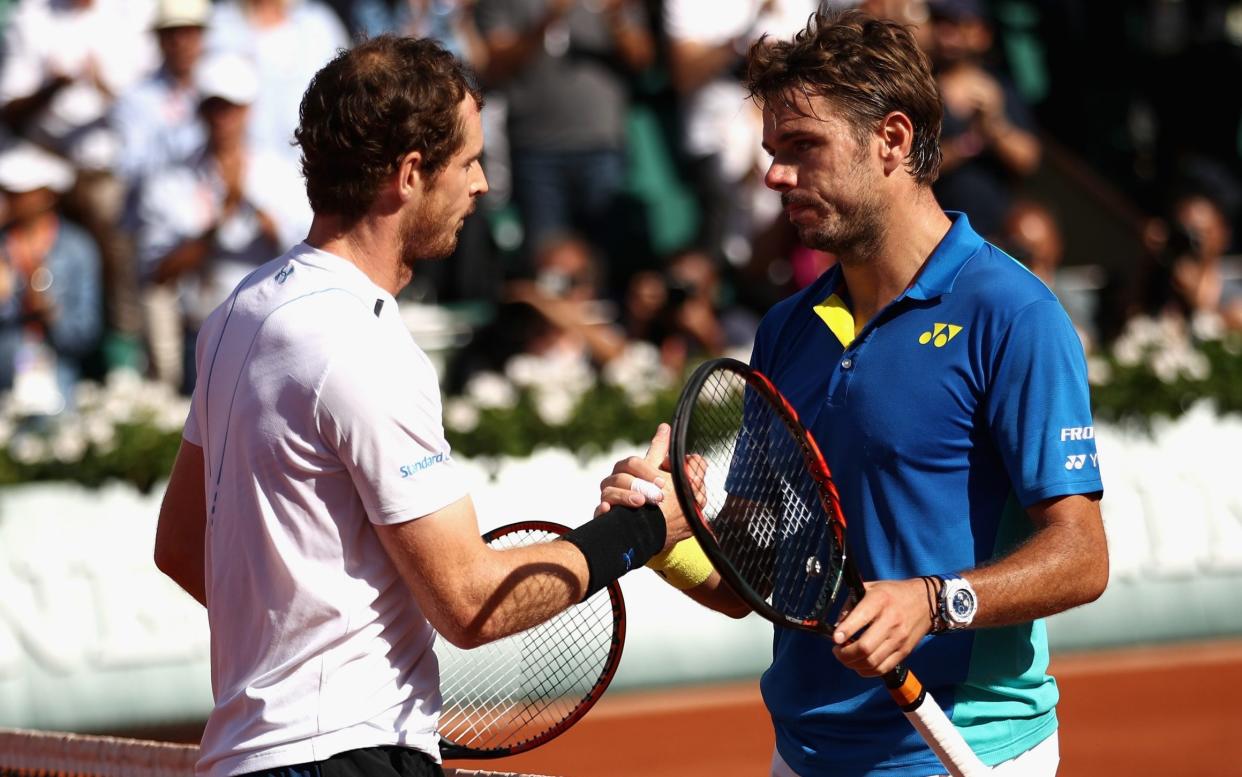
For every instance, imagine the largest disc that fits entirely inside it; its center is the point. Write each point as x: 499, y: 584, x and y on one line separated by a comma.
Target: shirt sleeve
x: 1039, y: 407
x: 383, y: 417
x: 191, y: 433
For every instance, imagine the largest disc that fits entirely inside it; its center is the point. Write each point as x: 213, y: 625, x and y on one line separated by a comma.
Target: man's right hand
x: 616, y: 489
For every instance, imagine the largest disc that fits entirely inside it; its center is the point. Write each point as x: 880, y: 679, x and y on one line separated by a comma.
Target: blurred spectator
x: 988, y: 135
x: 449, y: 21
x: 1032, y: 235
x: 287, y: 41
x: 562, y: 65
x: 205, y: 224
x: 566, y: 293
x: 708, y: 41
x: 65, y: 61
x: 157, y: 119
x: 1185, y: 276
x: 911, y: 13
x: 680, y: 312
x: 808, y: 264
x: 643, y: 305
x: 555, y: 315
x: 710, y: 326
x: 50, y: 301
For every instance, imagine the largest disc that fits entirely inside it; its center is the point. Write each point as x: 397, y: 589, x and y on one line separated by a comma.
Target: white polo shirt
x: 317, y: 415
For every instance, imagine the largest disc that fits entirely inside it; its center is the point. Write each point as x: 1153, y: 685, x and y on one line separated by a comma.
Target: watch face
x: 962, y: 604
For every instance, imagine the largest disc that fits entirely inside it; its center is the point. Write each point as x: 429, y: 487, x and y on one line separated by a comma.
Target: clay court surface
x: 1168, y: 711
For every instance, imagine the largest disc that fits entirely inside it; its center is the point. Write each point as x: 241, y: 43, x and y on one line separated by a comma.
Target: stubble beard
x: 852, y: 234
x: 424, y: 237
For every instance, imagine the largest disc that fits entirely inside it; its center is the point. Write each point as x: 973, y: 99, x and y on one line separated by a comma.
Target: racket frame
x: 903, y: 686
x: 450, y: 750
x: 703, y: 532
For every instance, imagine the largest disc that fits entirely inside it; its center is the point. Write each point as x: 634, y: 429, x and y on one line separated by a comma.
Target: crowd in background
x: 147, y: 165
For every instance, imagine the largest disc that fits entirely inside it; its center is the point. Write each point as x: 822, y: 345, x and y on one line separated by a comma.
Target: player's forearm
x: 520, y: 588
x: 715, y: 594
x: 1064, y: 564
x: 181, y: 530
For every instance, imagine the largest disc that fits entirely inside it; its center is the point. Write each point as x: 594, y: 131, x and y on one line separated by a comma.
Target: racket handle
x: 933, y: 725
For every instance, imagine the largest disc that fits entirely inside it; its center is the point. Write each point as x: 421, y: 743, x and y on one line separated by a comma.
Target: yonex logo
x: 284, y: 273
x: 1079, y: 460
x: 939, y: 335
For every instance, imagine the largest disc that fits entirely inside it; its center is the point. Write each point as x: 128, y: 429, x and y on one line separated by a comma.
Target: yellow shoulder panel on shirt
x: 838, y: 318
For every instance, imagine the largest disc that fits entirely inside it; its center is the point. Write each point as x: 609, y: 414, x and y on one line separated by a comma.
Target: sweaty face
x: 828, y: 181
x: 429, y: 229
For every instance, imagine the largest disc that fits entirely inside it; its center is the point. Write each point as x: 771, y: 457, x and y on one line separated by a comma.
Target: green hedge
x: 129, y: 430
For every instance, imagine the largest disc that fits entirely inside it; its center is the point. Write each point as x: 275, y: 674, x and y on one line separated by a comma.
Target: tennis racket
x: 517, y: 693
x: 759, y: 498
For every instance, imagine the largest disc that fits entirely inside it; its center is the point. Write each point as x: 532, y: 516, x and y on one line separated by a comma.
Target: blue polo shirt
x: 961, y: 403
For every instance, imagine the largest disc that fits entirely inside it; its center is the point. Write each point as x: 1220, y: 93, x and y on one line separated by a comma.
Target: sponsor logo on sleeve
x: 1080, y: 460
x: 410, y: 470
x: 1076, y: 433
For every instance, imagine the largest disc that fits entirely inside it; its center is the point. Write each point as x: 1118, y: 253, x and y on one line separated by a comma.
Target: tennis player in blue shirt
x: 947, y: 390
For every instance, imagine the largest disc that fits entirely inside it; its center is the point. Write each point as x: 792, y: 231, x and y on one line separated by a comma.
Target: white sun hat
x: 24, y: 167
x: 230, y: 77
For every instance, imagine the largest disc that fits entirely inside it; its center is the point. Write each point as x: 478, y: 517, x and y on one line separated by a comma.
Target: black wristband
x: 621, y: 539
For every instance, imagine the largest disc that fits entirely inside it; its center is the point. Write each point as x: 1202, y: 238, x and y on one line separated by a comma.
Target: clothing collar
x: 938, y: 273
x: 829, y: 298
x: 947, y: 260
x: 348, y: 271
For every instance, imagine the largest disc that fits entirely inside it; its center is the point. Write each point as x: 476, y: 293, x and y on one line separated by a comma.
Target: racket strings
x: 522, y: 687
x: 532, y: 692
x: 759, y: 500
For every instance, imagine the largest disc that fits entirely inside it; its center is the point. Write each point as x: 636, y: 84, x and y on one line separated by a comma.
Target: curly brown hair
x: 370, y: 106
x: 867, y: 67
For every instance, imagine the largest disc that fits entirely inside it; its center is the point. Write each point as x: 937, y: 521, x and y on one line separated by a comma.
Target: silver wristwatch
x: 958, y: 603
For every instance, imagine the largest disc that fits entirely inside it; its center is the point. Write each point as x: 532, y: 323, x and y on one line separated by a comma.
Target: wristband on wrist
x: 932, y: 585
x: 683, y: 566
x: 616, y: 542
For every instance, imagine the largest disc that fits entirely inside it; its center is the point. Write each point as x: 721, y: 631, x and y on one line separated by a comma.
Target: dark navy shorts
x: 384, y: 761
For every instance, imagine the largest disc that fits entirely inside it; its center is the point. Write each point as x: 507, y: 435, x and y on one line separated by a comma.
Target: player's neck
x: 911, y: 235
x: 370, y: 244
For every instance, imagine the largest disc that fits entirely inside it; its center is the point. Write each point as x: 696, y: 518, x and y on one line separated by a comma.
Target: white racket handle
x: 648, y: 489
x: 945, y: 740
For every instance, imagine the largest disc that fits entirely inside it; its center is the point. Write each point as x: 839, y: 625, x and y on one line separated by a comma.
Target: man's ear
x: 896, y: 135
x: 410, y: 176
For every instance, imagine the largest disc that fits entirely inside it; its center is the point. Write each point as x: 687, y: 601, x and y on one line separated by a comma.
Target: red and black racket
x: 522, y: 691
x: 760, y: 500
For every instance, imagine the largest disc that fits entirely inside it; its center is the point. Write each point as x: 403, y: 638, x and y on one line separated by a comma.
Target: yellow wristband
x: 684, y: 565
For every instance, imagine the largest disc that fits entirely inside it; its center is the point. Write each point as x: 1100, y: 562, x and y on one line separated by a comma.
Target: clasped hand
x: 653, y: 467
